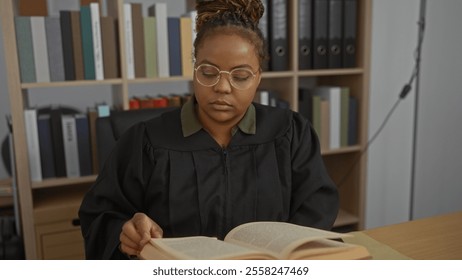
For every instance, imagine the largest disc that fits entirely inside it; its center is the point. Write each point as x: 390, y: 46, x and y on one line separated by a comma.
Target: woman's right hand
x: 136, y: 232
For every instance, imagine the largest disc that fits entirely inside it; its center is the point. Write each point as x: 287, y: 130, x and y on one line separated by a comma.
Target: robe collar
x: 190, y: 124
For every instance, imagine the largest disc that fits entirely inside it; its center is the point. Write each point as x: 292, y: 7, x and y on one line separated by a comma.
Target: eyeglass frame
x: 254, y: 75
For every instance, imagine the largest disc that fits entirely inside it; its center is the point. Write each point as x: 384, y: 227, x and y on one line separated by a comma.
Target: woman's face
x: 223, y: 103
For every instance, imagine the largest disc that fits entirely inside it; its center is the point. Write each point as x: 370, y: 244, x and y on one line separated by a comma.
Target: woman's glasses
x: 209, y: 75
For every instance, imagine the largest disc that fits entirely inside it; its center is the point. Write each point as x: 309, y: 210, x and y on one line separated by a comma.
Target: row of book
x: 333, y: 113
x: 160, y: 101
x: 61, y: 141
x: 83, y: 45
x: 326, y: 34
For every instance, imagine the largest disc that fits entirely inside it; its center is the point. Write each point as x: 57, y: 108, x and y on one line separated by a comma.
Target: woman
x: 219, y: 161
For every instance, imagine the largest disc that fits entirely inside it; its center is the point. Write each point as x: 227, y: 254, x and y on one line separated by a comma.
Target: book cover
x: 33, y: 148
x: 84, y: 144
x: 138, y: 40
x: 187, y: 67
x: 77, y: 45
x: 58, y: 143
x: 25, y: 49
x: 97, y: 45
x: 174, y: 44
x: 87, y: 43
x: 71, y: 150
x: 39, y: 42
x: 46, y: 146
x: 129, y: 52
x: 55, y: 50
x: 278, y: 35
x: 150, y: 46
x: 110, y: 47
x: 159, y: 11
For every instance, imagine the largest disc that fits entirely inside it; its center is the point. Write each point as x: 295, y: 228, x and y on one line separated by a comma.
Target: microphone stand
x: 421, y: 32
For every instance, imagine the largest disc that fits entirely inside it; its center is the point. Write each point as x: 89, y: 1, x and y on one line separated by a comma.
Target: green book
x: 25, y: 49
x: 344, y: 115
x: 87, y: 43
x: 150, y: 46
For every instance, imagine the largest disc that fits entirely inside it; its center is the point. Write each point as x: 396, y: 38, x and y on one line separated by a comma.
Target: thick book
x: 305, y: 53
x: 97, y: 45
x: 187, y: 67
x: 84, y: 144
x: 258, y: 240
x: 47, y: 156
x: 71, y: 149
x: 174, y: 44
x: 25, y: 49
x: 278, y: 35
x: 39, y: 42
x: 55, y: 50
x: 334, y: 39
x: 129, y: 52
x: 138, y: 40
x: 150, y: 46
x: 33, y: 148
x: 87, y: 43
x: 110, y: 47
x: 320, y: 30
x: 159, y: 11
x: 349, y: 33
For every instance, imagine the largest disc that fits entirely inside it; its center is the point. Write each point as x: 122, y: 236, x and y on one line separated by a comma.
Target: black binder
x: 349, y: 33
x: 334, y: 41
x: 305, y: 54
x: 320, y: 16
x: 278, y: 31
x: 264, y: 25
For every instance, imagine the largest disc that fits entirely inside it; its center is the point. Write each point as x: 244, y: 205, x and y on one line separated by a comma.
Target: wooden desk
x: 435, y: 238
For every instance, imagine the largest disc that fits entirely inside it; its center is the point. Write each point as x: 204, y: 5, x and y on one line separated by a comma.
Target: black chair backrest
x: 109, y: 129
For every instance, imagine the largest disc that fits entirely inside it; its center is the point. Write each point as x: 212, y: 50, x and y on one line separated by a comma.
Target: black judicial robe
x: 192, y: 186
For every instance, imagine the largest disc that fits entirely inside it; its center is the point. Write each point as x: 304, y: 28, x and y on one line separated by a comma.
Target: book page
x: 277, y: 237
x: 200, y: 248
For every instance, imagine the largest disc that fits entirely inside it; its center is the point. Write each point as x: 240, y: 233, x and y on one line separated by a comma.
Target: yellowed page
x: 277, y: 237
x: 200, y: 248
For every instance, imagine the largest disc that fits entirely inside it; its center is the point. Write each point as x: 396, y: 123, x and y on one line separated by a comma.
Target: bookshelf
x: 49, y: 207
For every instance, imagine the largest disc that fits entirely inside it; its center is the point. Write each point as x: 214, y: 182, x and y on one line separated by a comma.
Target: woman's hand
x: 136, y: 232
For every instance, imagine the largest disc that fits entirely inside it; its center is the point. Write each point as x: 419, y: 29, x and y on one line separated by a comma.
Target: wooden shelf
x: 58, y: 182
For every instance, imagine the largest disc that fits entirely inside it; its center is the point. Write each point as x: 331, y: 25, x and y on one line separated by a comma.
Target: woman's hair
x: 239, y: 17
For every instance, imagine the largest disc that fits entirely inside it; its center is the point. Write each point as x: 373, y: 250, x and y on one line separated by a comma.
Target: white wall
x: 438, y: 150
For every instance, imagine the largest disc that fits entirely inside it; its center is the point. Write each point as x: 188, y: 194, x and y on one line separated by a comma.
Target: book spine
x: 87, y: 43
x: 77, y: 45
x: 138, y: 40
x: 129, y: 55
x: 84, y: 144
x: 33, y: 148
x: 150, y: 46
x: 174, y: 44
x: 97, y: 46
x: 46, y: 146
x: 159, y: 11
x: 42, y: 68
x: 55, y: 50
x: 71, y: 152
x: 109, y: 43
x: 25, y: 49
x: 186, y: 46
x: 58, y: 144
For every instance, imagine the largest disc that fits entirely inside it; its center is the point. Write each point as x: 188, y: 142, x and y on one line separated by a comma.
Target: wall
x: 437, y: 190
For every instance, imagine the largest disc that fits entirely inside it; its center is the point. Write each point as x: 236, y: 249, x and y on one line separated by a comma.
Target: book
x: 159, y: 11
x: 55, y: 50
x: 349, y: 33
x: 187, y: 67
x: 47, y: 157
x: 332, y: 94
x: 150, y: 46
x: 71, y: 149
x: 110, y: 47
x: 320, y: 33
x: 305, y: 54
x: 40, y: 48
x: 258, y: 240
x: 58, y: 143
x: 97, y: 45
x: 174, y: 44
x: 129, y: 53
x: 138, y: 40
x: 334, y: 37
x: 278, y: 35
x: 33, y: 148
x: 67, y: 45
x: 84, y: 144
x: 87, y: 43
x: 33, y: 8
x: 25, y: 49
x: 77, y: 45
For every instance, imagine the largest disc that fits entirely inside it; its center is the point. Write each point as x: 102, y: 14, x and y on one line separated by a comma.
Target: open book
x: 258, y: 240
